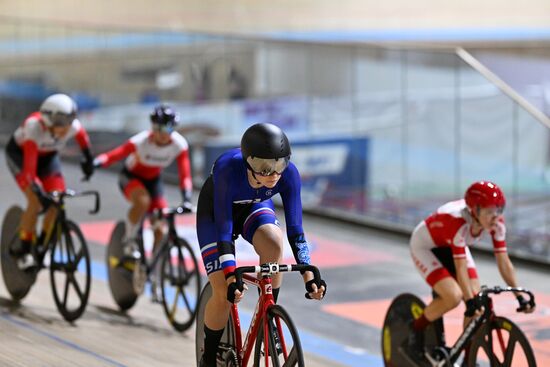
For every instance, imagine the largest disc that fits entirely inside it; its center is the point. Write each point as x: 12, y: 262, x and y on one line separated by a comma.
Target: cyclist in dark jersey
x: 236, y: 200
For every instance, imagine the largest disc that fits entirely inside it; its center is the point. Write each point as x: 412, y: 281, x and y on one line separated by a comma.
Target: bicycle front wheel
x: 70, y: 272
x: 283, y: 342
x: 181, y: 284
x: 500, y: 343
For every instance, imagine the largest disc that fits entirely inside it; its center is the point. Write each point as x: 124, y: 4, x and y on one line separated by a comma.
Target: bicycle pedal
x: 27, y: 263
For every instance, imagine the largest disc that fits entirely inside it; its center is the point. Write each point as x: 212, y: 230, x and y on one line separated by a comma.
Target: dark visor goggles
x: 267, y: 167
x: 62, y: 119
x: 163, y: 128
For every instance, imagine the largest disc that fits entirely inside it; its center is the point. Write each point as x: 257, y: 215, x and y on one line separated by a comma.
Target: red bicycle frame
x: 265, y: 301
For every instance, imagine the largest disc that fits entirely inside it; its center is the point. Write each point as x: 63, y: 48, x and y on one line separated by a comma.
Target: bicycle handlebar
x: 485, y: 291
x: 274, y: 268
x: 57, y: 197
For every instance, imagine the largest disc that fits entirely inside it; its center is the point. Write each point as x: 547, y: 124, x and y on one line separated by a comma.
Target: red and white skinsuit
x: 145, y: 162
x: 36, y: 141
x: 450, y: 226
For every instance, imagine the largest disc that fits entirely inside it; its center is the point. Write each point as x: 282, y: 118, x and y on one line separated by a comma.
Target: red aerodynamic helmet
x: 484, y: 194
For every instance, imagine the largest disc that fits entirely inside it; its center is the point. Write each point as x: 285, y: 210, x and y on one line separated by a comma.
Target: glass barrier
x: 382, y: 135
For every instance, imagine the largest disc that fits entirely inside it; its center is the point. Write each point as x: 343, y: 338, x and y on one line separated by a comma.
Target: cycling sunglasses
x: 267, y: 167
x: 494, y: 210
x: 163, y: 128
x: 62, y: 119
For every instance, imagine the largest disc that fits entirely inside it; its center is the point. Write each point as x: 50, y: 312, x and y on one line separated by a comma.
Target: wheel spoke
x: 68, y: 246
x: 78, y: 257
x: 185, y: 300
x: 509, y: 352
x: 175, y: 304
x: 66, y: 291
x: 77, y: 288
x: 180, y: 261
x: 292, y: 359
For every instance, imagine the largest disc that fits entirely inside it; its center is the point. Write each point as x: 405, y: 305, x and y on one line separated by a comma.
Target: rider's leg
x: 268, y: 243
x: 47, y: 224
x: 436, y: 275
x: 157, y: 224
x: 261, y: 229
x: 158, y: 227
x: 474, y: 280
x: 140, y: 202
x: 52, y: 181
x: 29, y: 218
x: 216, y: 315
x: 450, y: 295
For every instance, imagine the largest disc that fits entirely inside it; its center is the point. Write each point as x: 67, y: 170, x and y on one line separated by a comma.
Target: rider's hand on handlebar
x: 187, y: 206
x: 524, y: 305
x: 473, y: 307
x: 87, y: 166
x: 315, y: 291
x: 234, y: 295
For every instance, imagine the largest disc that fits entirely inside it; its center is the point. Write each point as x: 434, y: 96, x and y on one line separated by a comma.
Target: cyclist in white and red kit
x: 147, y: 154
x: 440, y: 250
x: 32, y: 155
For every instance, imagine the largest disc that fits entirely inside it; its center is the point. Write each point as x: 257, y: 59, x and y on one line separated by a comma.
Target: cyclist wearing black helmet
x: 148, y: 153
x: 236, y: 200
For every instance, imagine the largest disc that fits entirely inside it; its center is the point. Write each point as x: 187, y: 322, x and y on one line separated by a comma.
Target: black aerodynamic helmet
x: 164, y: 115
x: 265, y: 149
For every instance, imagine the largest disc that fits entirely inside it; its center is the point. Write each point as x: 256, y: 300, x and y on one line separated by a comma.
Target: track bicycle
x: 68, y: 261
x: 271, y: 336
x: 179, y: 276
x: 488, y: 340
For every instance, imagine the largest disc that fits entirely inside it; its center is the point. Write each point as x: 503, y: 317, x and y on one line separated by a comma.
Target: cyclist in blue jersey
x: 236, y: 200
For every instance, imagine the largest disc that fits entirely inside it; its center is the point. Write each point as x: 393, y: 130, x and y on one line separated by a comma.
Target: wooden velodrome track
x: 363, y: 268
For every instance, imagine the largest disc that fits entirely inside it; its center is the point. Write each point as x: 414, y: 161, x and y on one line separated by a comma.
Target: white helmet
x: 58, y: 110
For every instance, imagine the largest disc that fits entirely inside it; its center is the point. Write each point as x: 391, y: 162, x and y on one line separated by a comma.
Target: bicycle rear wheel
x: 283, y: 346
x: 70, y: 272
x: 181, y: 284
x: 18, y: 282
x: 227, y: 351
x: 500, y: 343
x: 402, y: 311
x: 120, y: 276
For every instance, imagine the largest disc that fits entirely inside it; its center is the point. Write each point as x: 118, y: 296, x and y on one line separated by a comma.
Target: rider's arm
x: 223, y: 214
x: 184, y: 170
x: 118, y: 153
x: 81, y: 136
x: 506, y: 269
x: 458, y: 248
x: 292, y: 202
x: 83, y: 141
x: 463, y: 279
x: 30, y: 160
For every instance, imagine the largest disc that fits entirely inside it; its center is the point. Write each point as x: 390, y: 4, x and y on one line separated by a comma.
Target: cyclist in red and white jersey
x: 33, y: 159
x: 452, y: 229
x: 147, y: 154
